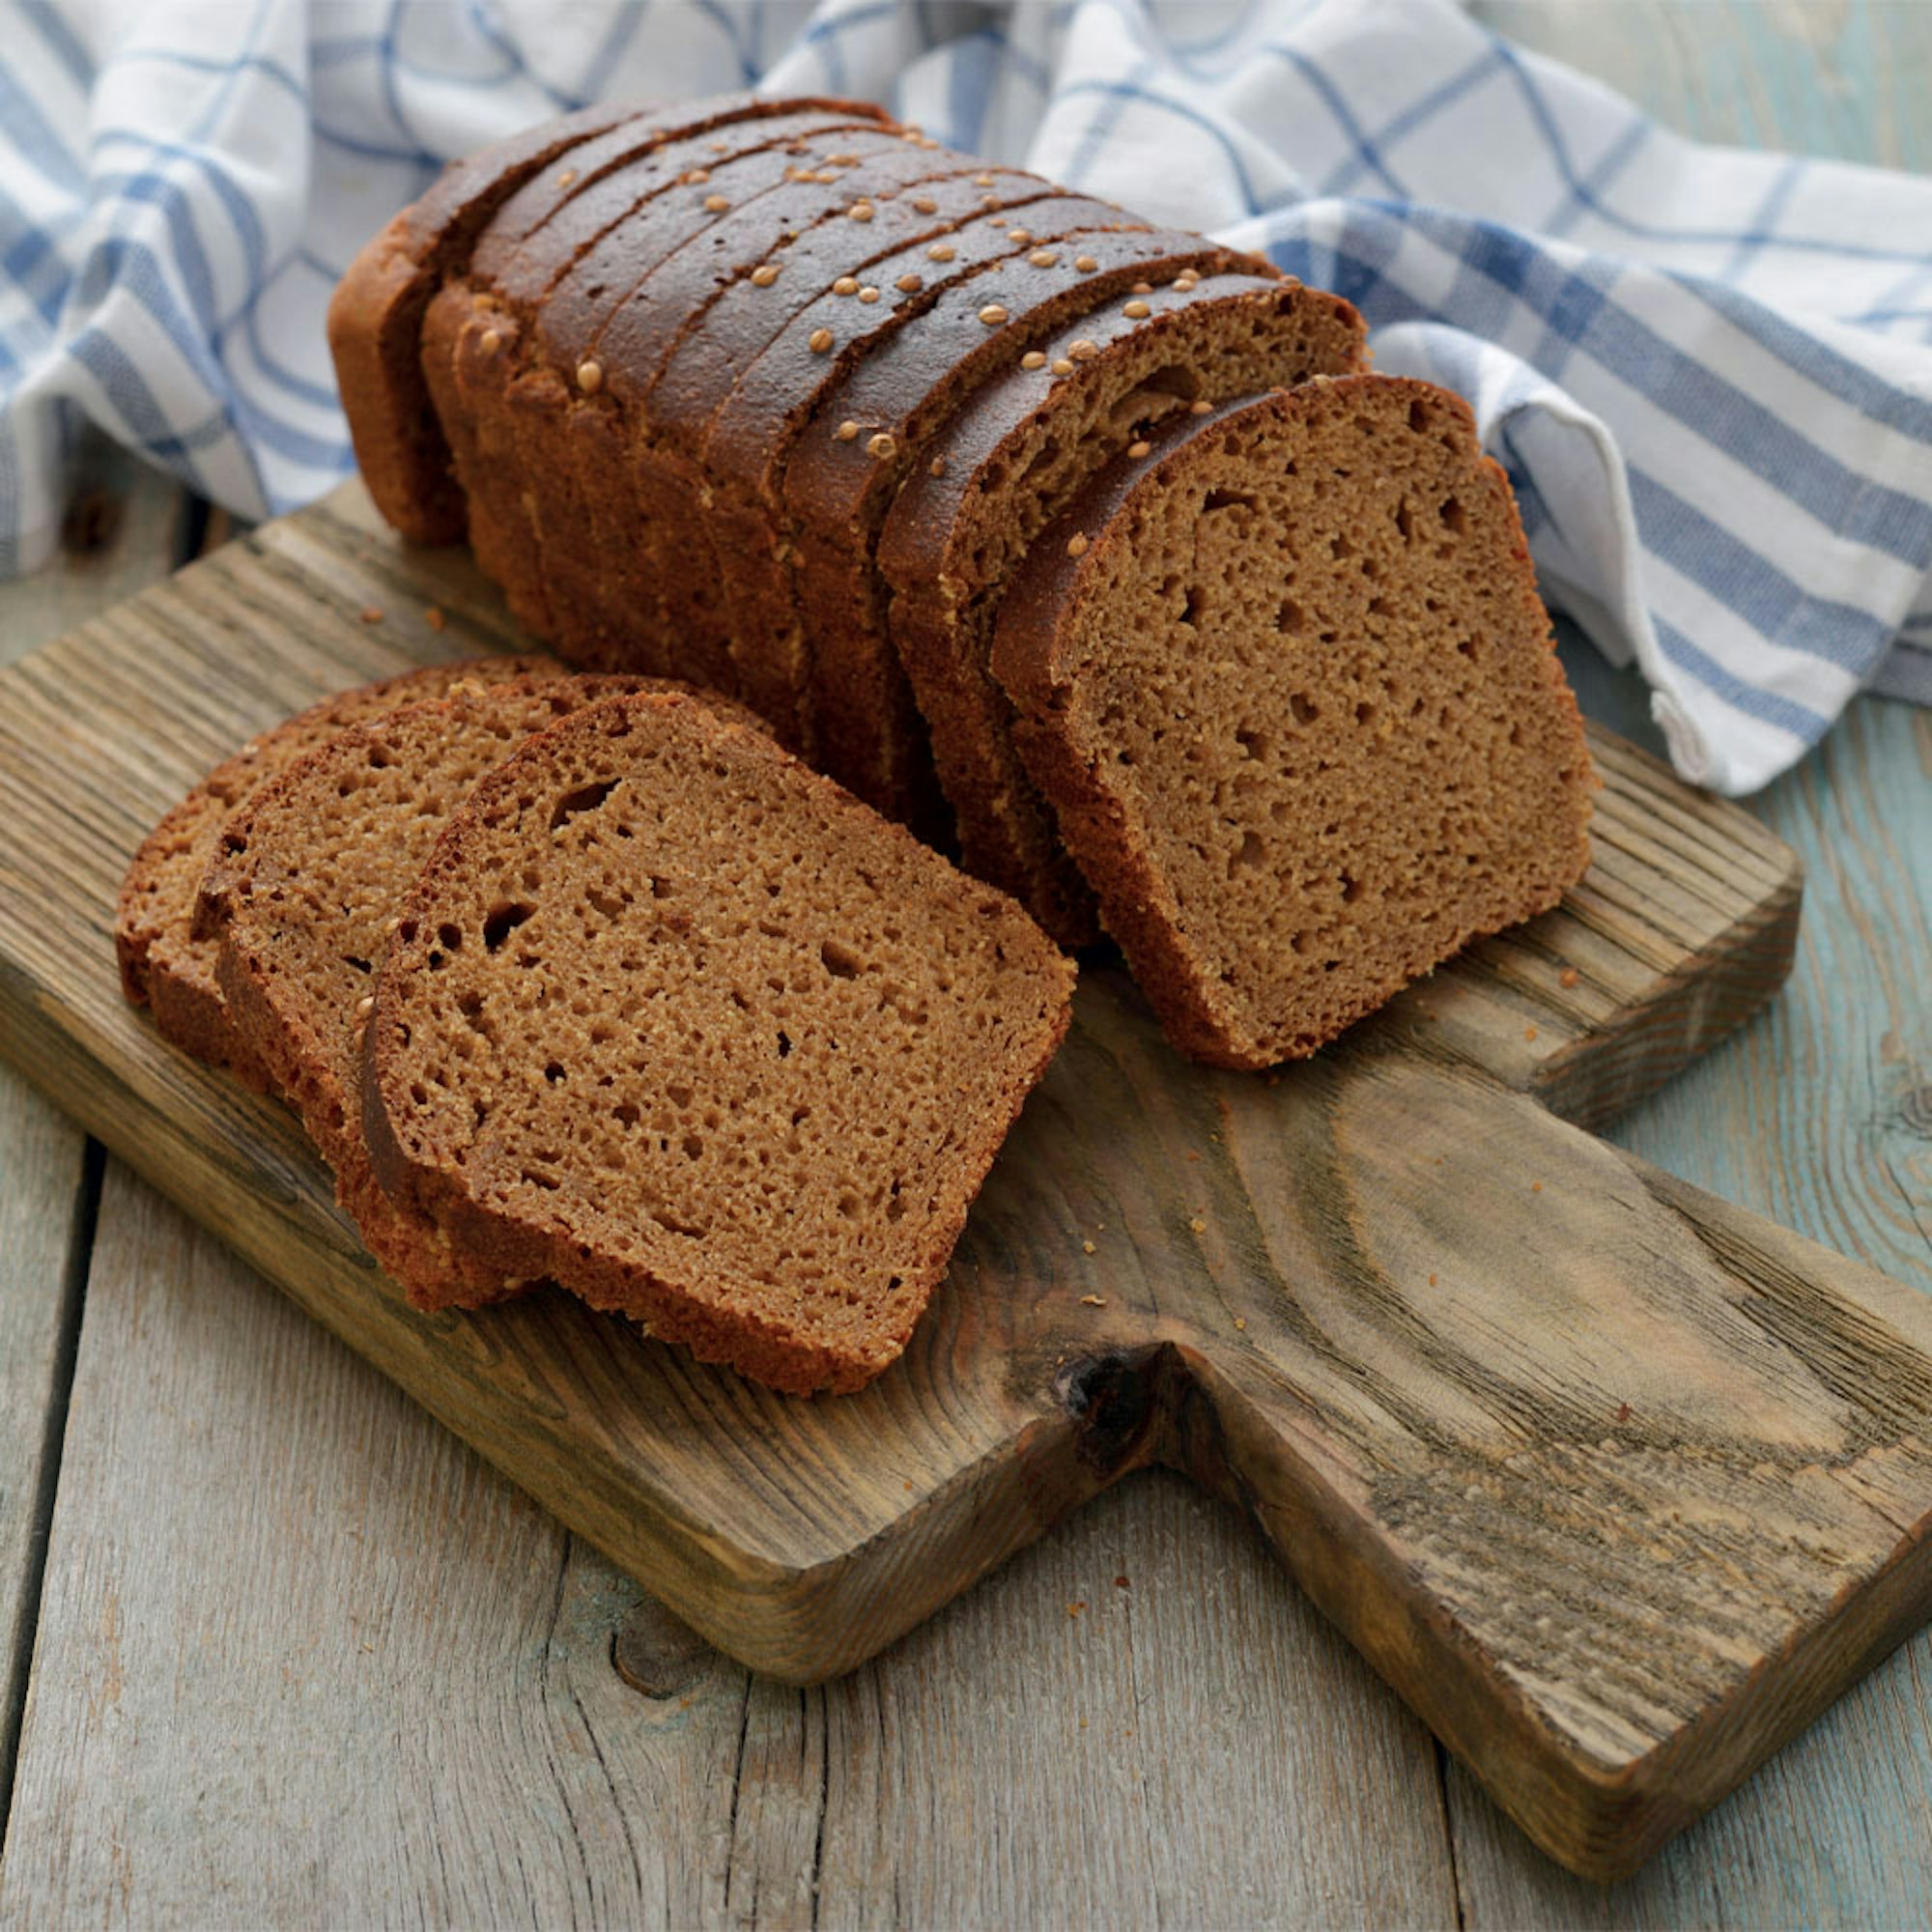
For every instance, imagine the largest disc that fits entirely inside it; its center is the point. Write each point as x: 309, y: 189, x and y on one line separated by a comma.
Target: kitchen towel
x: 1709, y: 373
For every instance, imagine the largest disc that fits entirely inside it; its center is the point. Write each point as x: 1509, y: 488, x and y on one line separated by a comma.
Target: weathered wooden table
x: 279, y: 1649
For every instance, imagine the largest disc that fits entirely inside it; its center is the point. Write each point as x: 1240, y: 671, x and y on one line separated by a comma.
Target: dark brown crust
x: 1030, y: 659
x: 374, y: 322
x: 163, y: 962
x: 677, y: 1310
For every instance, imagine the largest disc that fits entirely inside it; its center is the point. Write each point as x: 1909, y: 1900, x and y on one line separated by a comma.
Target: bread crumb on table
x: 371, y: 615
x: 1086, y: 1247
x: 1568, y: 977
x: 1094, y: 1301
x: 435, y: 618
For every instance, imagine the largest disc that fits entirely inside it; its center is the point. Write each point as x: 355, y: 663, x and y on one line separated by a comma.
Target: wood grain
x: 387, y: 1688
x: 1270, y: 1335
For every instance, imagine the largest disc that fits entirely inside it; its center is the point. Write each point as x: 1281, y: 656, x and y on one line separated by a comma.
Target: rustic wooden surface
x: 1567, y: 1451
x: 1197, y: 1747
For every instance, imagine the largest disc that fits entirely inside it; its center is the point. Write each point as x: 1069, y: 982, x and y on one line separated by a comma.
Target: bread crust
x: 374, y: 322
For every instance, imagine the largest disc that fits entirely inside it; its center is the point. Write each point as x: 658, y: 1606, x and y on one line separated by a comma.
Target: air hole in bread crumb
x: 587, y: 798
x: 1250, y: 857
x: 1254, y: 743
x: 450, y: 937
x: 838, y: 960
x: 1454, y: 516
x: 1291, y: 616
x: 1190, y: 610
x: 554, y: 1072
x: 1227, y: 499
x: 785, y: 1045
x: 362, y: 965
x: 503, y: 920
x: 1306, y: 710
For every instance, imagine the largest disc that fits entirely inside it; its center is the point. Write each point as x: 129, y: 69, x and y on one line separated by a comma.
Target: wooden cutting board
x: 1616, y: 1484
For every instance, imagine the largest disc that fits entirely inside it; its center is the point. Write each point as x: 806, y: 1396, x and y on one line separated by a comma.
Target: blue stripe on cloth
x: 242, y: 64
x: 59, y: 41
x: 1722, y: 565
x: 1769, y: 707
x: 28, y: 134
x: 1128, y: 92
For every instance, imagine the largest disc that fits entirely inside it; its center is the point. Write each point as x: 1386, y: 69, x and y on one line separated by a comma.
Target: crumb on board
x: 1120, y: 1582
x: 371, y: 615
x: 1075, y: 1608
x: 435, y: 618
x: 1093, y: 1301
x: 1432, y: 1281
x: 1086, y: 1247
x: 1536, y: 1187
x: 1198, y: 1226
x: 1568, y: 977
x: 1192, y: 1155
x: 1529, y: 1033
x: 1241, y: 1323
x: 1623, y: 1411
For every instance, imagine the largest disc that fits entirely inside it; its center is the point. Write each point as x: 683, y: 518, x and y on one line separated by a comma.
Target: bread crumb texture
x: 1301, y: 713
x: 677, y: 1021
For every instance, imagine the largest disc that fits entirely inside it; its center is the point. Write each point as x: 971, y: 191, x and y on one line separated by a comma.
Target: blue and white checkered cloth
x: 1709, y: 373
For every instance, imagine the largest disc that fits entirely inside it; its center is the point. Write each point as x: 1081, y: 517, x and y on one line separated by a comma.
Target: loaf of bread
x: 1285, y: 675
x: 163, y: 962
x: 676, y: 1020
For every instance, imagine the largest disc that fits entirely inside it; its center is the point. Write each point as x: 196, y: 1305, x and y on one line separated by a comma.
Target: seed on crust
x: 1141, y: 289
x: 1042, y: 258
x: 765, y: 274
x: 868, y: 295
x: 819, y: 341
x: 938, y: 466
x: 941, y: 252
x: 1083, y: 350
x: 565, y: 179
x: 1140, y: 449
x: 992, y: 315
x: 590, y: 376
x: 1086, y: 264
x: 847, y: 431
x: 716, y: 203
x: 1136, y: 311
x: 1019, y: 234
x: 1032, y: 360
x: 491, y: 342
x: 845, y: 285
x: 692, y: 176
x: 863, y: 210
x: 982, y: 181
x: 925, y: 204
x: 882, y: 446
x: 1201, y: 408
x: 1062, y: 366
x: 1076, y: 545
x: 910, y: 285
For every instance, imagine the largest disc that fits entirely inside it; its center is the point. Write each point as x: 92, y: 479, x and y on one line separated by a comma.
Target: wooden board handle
x: 1575, y: 1453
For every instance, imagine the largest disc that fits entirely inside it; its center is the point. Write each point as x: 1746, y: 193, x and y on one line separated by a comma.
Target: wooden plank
x: 304, y: 1657
x: 122, y: 532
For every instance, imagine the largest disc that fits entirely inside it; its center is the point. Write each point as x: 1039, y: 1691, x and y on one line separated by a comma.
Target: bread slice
x: 306, y: 881
x: 1019, y: 448
x: 683, y: 1024
x: 164, y: 964
x: 1287, y: 682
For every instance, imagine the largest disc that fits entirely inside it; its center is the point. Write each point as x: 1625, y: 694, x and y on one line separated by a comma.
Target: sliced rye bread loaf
x: 1289, y: 685
x: 870, y: 735
x: 837, y: 254
x: 866, y: 436
x: 625, y: 222
x: 1022, y: 444
x: 376, y: 315
x: 304, y: 883
x: 682, y: 1024
x: 163, y: 963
